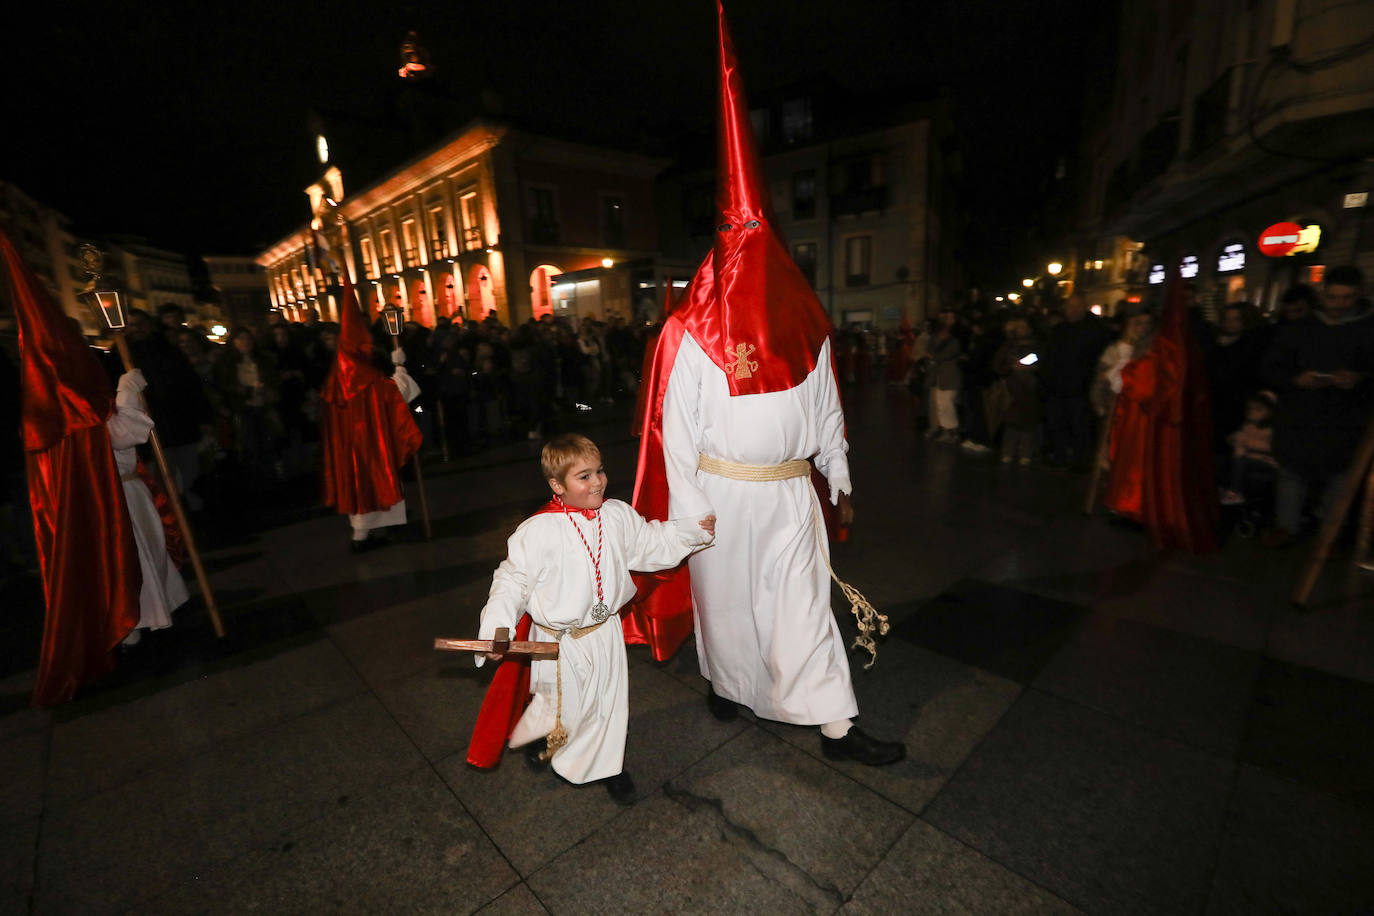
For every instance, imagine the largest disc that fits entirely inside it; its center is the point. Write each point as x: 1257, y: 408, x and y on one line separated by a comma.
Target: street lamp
x: 607, y: 263
x: 1028, y: 283
x: 1054, y: 268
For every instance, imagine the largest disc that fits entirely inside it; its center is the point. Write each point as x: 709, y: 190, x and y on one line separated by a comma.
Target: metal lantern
x: 106, y: 302
x: 395, y: 317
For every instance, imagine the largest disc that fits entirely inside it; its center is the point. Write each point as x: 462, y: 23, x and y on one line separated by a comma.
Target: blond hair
x: 560, y: 452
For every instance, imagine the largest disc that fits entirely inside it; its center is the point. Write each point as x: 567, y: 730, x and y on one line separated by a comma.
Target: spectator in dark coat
x: 1234, y: 368
x: 1322, y: 368
x: 1066, y: 373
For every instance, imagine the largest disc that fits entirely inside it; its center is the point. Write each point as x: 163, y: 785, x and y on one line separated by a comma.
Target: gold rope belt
x: 736, y: 471
x: 865, y: 615
x: 559, y: 735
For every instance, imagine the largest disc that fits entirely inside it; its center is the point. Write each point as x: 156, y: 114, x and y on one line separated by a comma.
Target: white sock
x: 359, y: 534
x: 836, y: 729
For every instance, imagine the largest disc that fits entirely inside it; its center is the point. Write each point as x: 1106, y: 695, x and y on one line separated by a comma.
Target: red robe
x: 366, y: 430
x: 85, y: 539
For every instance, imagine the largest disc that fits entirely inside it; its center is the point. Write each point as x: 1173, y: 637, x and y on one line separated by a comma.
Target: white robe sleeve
x: 129, y: 425
x: 652, y: 545
x: 510, y: 588
x: 681, y: 447
x: 832, y: 460
x: 410, y: 389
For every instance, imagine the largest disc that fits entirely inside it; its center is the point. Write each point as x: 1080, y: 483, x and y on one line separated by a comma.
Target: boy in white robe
x: 163, y: 588
x: 568, y: 567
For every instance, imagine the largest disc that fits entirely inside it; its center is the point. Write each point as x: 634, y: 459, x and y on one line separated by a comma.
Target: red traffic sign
x: 1280, y: 239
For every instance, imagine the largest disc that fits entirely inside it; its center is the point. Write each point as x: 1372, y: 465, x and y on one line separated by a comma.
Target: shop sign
x: 1187, y: 268
x: 1232, y: 258
x: 1156, y: 276
x: 1283, y: 239
x: 1358, y: 199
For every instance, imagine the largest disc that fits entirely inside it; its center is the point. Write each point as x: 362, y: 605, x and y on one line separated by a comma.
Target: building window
x: 408, y: 242
x: 388, y: 252
x: 438, y: 238
x: 369, y: 257
x: 472, y: 225
x: 543, y: 216
x: 796, y: 121
x: 804, y: 194
x: 858, y: 256
x: 758, y: 118
x: 613, y: 221
x: 804, y: 253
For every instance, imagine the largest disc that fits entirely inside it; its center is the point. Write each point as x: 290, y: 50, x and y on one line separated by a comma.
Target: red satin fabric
x: 1161, y: 457
x: 366, y: 430
x: 503, y: 704
x: 85, y: 539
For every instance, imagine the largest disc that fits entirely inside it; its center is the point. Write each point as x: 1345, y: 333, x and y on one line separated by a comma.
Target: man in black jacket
x: 1322, y: 368
x: 1066, y: 373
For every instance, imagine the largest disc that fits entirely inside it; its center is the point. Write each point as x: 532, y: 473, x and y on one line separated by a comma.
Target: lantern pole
x: 392, y: 314
x: 92, y: 256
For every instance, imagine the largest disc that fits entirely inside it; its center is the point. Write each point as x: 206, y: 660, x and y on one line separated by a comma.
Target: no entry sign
x: 1283, y: 239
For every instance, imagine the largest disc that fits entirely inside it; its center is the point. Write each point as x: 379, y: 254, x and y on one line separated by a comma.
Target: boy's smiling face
x: 584, y: 485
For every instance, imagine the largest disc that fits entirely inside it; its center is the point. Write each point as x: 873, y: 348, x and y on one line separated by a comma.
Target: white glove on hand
x: 838, y: 485
x: 132, y: 381
x: 398, y: 357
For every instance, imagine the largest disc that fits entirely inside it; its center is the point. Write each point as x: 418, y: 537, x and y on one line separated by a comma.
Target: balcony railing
x: 472, y: 238
x: 412, y: 257
x: 438, y: 249
x: 852, y: 203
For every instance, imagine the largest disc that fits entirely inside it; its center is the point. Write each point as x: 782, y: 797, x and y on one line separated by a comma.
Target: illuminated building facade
x: 1226, y: 120
x: 483, y: 224
x: 240, y: 294
x: 45, y: 241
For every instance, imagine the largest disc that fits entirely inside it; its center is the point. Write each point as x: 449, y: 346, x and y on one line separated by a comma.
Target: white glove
x: 132, y: 381
x: 839, y: 485
x: 398, y: 357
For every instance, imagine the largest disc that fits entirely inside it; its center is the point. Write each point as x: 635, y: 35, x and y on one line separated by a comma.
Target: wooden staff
x: 415, y: 461
x: 174, y: 497
x: 1104, y: 436
x: 443, y: 430
x: 502, y: 645
x: 1331, y: 525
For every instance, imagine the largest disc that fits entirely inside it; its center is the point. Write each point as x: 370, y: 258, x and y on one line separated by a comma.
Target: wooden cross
x: 502, y: 644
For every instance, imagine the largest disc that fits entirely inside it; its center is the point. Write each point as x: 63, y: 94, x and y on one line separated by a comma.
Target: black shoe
x: 860, y: 748
x: 723, y: 709
x: 621, y: 788
x: 371, y: 542
x: 533, y: 752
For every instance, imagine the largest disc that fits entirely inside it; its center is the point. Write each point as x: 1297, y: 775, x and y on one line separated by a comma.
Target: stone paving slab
x: 105, y: 748
x: 518, y: 901
x: 134, y: 841
x: 929, y: 872
x: 1100, y: 813
x: 404, y: 847
x: 22, y: 763
x: 18, y: 851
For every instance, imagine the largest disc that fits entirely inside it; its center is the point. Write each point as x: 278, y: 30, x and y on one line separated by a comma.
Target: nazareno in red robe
x: 366, y: 430
x: 747, y: 293
x: 1161, y: 456
x: 85, y: 539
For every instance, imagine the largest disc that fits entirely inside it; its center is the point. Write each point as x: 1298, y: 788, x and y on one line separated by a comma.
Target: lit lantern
x: 107, y: 303
x: 395, y: 317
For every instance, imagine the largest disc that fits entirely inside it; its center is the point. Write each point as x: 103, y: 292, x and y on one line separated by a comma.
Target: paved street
x: 1092, y: 726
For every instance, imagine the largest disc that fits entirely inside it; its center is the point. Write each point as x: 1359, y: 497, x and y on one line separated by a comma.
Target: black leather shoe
x: 533, y: 750
x: 860, y: 748
x: 723, y: 709
x: 621, y: 788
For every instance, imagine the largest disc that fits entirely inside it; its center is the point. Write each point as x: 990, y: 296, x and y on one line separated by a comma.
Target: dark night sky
x: 188, y: 126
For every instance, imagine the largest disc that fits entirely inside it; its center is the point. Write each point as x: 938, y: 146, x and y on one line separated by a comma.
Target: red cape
x: 85, y: 539
x: 754, y: 315
x: 1161, y: 438
x: 366, y: 430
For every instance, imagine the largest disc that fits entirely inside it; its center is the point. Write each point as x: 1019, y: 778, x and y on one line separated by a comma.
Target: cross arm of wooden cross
x: 501, y: 645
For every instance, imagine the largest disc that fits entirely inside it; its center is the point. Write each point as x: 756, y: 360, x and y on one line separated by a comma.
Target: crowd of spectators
x: 248, y: 409
x: 1290, y: 394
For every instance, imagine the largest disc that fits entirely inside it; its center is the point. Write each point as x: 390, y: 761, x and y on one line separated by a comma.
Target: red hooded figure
x: 742, y: 400
x: 1161, y: 435
x: 91, y: 576
x: 366, y: 429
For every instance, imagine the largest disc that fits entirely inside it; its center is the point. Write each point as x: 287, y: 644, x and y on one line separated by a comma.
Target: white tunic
x: 396, y: 514
x: 163, y: 588
x: 766, y: 636
x: 548, y: 573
